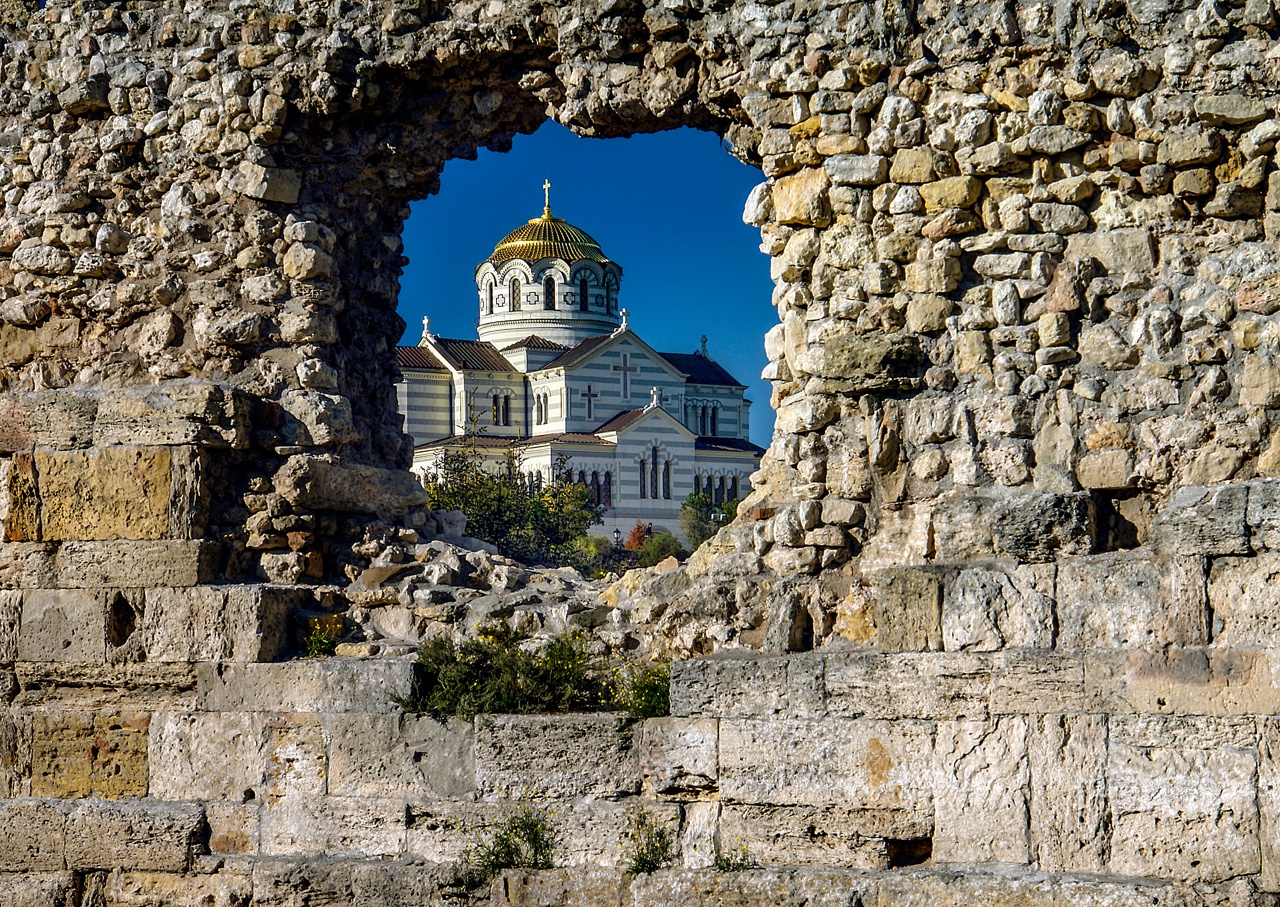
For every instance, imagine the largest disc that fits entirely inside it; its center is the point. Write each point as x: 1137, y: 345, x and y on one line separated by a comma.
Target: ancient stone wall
x: 1015, y: 527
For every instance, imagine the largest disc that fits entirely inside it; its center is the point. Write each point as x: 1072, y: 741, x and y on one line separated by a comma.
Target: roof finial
x: 426, y: 330
x: 624, y: 326
x: 655, y: 397
x: 703, y: 351
x: 546, y: 199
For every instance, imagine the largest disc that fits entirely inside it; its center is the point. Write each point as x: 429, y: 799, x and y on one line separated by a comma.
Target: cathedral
x: 557, y: 372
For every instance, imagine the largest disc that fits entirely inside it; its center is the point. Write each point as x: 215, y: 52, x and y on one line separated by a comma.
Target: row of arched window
x: 650, y: 487
x: 541, y: 409
x: 718, y: 488
x: 549, y: 295
x: 599, y: 485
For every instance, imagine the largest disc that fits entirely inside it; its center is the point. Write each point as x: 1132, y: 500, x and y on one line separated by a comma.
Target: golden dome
x: 547, y: 237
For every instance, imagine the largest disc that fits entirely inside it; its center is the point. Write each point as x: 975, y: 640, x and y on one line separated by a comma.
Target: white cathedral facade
x: 558, y: 372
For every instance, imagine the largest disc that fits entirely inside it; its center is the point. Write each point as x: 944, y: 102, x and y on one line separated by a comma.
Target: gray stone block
x: 1131, y: 600
x: 303, y: 825
x: 537, y: 757
x: 811, y: 835
x: 1203, y: 521
x: 247, y: 623
x: 1041, y: 527
x: 981, y: 783
x: 34, y: 837
x: 134, y: 564
x: 137, y: 834
x: 925, y: 685
x: 909, y: 609
x: 740, y: 685
x: 207, y: 755
x: 1033, y: 682
x: 989, y: 608
x: 1244, y: 599
x: 396, y: 755
x: 10, y: 614
x: 32, y: 889
x: 680, y: 756
x: 63, y: 625
x: 313, y: 685
x: 1069, y: 814
x: 27, y: 565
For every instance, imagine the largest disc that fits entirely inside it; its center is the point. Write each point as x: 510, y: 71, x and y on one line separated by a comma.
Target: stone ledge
x: 313, y: 685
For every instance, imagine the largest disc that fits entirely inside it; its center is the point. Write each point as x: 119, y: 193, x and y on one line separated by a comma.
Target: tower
x: 550, y: 279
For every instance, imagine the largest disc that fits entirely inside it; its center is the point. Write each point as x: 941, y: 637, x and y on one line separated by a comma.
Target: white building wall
x: 424, y: 402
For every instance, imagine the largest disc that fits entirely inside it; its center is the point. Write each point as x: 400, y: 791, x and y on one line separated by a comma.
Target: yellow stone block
x: 103, y: 493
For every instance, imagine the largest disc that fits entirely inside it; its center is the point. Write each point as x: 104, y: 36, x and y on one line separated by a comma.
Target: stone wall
x: 1014, y: 526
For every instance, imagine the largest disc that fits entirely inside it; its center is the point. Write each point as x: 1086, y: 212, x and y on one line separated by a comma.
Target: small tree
x: 636, y: 537
x: 700, y: 518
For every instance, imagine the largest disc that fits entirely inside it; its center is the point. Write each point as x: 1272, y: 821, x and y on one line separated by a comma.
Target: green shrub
x: 700, y: 518
x: 524, y: 839
x: 322, y: 636
x: 651, y: 841
x: 659, y: 547
x: 644, y: 691
x: 496, y: 673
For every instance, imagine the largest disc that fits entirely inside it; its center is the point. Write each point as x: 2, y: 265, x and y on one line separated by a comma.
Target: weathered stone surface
x: 153, y: 889
x: 555, y: 756
x: 679, y: 755
x: 311, y: 826
x: 1203, y: 521
x: 62, y: 625
x: 133, y: 564
x: 877, y: 767
x: 916, y: 685
x: 35, y: 835
x: 1123, y: 600
x: 208, y: 756
x: 806, y: 835
x: 104, y: 493
x: 1039, y: 527
x: 981, y: 784
x: 218, y: 623
x: 1244, y: 599
x: 1184, y: 806
x: 390, y: 755
x: 325, y: 483
x: 142, y: 834
x: 909, y: 610
x: 1069, y: 813
x: 733, y: 686
x: 987, y: 609
x: 329, y: 685
x: 801, y: 198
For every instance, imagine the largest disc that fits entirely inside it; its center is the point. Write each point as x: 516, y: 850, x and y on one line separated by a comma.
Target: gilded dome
x: 547, y: 237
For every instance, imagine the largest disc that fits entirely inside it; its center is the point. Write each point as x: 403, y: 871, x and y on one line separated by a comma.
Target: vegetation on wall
x: 700, y: 518
x: 524, y: 839
x: 502, y: 671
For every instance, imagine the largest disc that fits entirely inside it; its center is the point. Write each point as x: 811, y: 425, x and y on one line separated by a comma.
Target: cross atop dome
x: 546, y: 199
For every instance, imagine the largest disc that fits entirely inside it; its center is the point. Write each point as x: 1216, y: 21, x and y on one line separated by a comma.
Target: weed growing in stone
x: 737, y: 860
x: 524, y: 839
x: 322, y: 636
x: 643, y: 691
x: 650, y: 842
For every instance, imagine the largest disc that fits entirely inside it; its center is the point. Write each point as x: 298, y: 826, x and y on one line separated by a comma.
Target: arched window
x: 608, y: 295
x: 719, y: 495
x: 666, y: 480
x: 497, y: 410
x: 549, y: 293
x: 654, y: 468
x: 606, y: 491
x: 644, y: 479
x: 714, y: 411
x: 582, y: 293
x: 593, y: 492
x: 490, y: 298
x: 702, y: 420
x: 506, y: 410
x: 515, y: 294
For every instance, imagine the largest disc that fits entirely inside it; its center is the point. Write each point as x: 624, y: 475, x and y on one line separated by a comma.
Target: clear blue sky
x: 666, y: 207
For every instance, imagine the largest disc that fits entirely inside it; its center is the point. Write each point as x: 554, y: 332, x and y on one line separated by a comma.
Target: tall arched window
x: 593, y: 493
x: 549, y: 293
x: 719, y: 495
x: 644, y: 479
x: 714, y: 411
x: 702, y: 420
x: 606, y: 490
x: 666, y: 480
x: 733, y: 488
x: 582, y: 293
x: 608, y: 295
x: 490, y: 298
x: 506, y: 410
x: 497, y: 410
x: 515, y: 294
x: 654, y: 468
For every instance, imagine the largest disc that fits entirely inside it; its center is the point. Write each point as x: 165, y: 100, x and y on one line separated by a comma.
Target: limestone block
x: 27, y: 565
x: 270, y: 184
x: 1183, y: 808
x: 909, y: 609
x: 732, y: 685
x: 1244, y: 599
x: 81, y: 754
x: 1029, y: 681
x: 302, y: 825
x: 397, y: 884
x: 1269, y: 802
x: 563, y: 756
x: 981, y: 782
x: 227, y: 888
x: 139, y: 834
x: 278, y: 883
x: 219, y: 623
x: 1234, y: 109
x: 331, y: 685
x: 1040, y: 527
x: 801, y: 198
x: 1206, y: 520
x: 1116, y: 250
x: 1262, y: 514
x: 31, y: 889
x: 929, y: 686
x: 10, y: 614
x: 133, y: 564
x: 34, y: 836
x: 1006, y: 886
x: 233, y: 827
x: 1069, y: 814
x: 208, y: 755
x: 205, y: 414
x: 566, y: 888
x: 104, y: 493
x: 1131, y: 600
x: 1195, y: 680
x: 66, y: 625
x: 808, y: 835
x: 879, y: 768
x: 985, y: 609
x: 328, y: 483
x: 15, y: 751
x: 937, y: 275
x: 679, y: 755
x: 912, y: 165
x: 952, y: 192
x: 857, y: 170
x: 397, y: 755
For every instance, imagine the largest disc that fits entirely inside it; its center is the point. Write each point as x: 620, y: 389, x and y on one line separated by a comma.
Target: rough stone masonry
x: 1001, y: 623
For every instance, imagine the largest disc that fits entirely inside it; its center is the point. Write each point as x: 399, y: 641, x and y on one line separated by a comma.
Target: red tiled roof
x: 621, y: 420
x: 534, y: 342
x: 417, y: 357
x: 473, y: 355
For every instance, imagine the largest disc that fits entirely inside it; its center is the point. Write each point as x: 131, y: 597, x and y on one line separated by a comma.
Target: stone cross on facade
x: 590, y: 398
x: 624, y: 326
x: 626, y: 369
x: 426, y: 330
x: 656, y: 397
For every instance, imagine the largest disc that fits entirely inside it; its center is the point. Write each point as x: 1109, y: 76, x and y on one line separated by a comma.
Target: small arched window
x: 594, y: 493
x: 654, y: 482
x: 515, y: 294
x: 666, y: 480
x: 497, y: 410
x: 490, y: 298
x: 506, y: 410
x: 644, y: 479
x: 606, y: 490
x: 582, y: 293
x: 549, y: 293
x: 714, y: 410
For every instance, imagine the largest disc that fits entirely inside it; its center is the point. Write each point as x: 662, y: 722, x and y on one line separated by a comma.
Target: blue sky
x: 666, y: 207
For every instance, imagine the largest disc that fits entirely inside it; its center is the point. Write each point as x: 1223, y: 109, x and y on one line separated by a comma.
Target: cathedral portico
x: 557, y: 372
